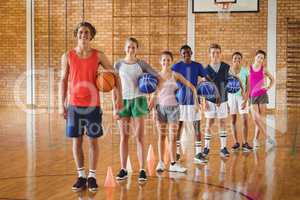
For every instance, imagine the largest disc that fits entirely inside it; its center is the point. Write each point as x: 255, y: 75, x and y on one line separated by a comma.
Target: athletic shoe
x: 246, y: 147
x: 177, y: 168
x: 160, y: 166
x: 92, y: 184
x: 256, y: 144
x: 79, y: 185
x: 224, y: 152
x: 177, y: 157
x: 271, y: 141
x: 235, y: 147
x: 122, y: 175
x: 200, y: 158
x: 142, y: 175
x: 205, y: 151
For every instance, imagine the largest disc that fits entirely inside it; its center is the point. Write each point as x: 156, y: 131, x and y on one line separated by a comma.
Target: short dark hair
x: 214, y: 46
x: 169, y: 53
x: 132, y: 39
x: 260, y: 52
x: 237, y: 53
x: 185, y: 47
x: 89, y: 26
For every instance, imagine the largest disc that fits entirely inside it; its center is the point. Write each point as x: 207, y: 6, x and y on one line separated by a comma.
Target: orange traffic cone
x: 109, y: 181
x: 167, y: 152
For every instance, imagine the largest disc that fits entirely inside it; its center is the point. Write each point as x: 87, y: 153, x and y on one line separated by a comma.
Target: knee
x: 93, y: 143
x: 124, y: 137
x: 139, y: 138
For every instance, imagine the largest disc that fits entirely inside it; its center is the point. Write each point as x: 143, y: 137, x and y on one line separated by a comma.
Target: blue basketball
x: 233, y: 85
x: 184, y: 96
x: 147, y: 83
x: 207, y: 90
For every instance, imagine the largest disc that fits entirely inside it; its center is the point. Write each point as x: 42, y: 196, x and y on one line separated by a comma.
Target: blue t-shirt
x: 190, y: 72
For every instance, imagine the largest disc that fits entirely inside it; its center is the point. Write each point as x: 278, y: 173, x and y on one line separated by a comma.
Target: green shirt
x: 243, y: 75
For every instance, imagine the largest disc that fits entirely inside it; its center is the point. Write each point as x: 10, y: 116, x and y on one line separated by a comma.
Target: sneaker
x: 160, y: 166
x: 200, y: 158
x: 271, y: 141
x: 177, y: 157
x: 177, y: 168
x: 122, y: 175
x: 79, y: 185
x: 246, y: 147
x: 256, y: 144
x: 92, y: 184
x: 224, y: 152
x: 205, y: 151
x: 142, y: 176
x: 235, y: 147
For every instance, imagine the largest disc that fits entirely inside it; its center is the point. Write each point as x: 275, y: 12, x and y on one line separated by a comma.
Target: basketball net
x: 224, y: 10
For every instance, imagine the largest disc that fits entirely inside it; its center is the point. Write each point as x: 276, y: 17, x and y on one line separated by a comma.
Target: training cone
x: 167, y: 152
x: 150, y: 155
x: 128, y: 165
x: 110, y: 180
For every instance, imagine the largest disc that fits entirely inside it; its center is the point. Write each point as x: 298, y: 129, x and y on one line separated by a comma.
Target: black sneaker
x: 224, y: 152
x: 246, y: 147
x: 142, y: 176
x: 200, y: 158
x: 177, y: 157
x: 235, y: 147
x: 79, y: 185
x: 122, y: 175
x: 92, y: 184
x: 205, y: 151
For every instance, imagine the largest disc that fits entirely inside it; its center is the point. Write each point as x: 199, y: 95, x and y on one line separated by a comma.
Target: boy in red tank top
x: 80, y: 101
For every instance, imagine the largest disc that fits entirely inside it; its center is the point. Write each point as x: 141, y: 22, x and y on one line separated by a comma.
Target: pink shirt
x: 166, y: 96
x: 257, y: 80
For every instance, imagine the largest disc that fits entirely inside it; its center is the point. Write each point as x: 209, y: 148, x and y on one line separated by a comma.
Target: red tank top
x: 82, y: 79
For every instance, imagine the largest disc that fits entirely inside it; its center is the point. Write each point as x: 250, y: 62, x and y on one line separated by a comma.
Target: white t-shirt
x: 129, y: 74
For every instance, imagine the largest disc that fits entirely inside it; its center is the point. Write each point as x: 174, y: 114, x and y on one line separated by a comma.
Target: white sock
x: 178, y: 144
x: 198, y: 147
x: 92, y: 173
x: 223, y: 137
x: 81, y: 172
x: 207, y: 138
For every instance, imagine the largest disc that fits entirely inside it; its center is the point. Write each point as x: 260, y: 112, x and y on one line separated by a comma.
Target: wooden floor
x: 37, y: 163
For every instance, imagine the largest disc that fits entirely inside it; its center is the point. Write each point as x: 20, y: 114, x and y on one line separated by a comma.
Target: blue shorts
x: 84, y: 118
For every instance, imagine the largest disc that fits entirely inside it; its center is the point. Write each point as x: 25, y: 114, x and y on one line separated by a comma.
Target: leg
x: 173, y: 127
x: 162, y: 131
x: 255, y: 112
x: 245, y: 127
x: 139, y: 135
x: 223, y: 133
x: 207, y: 136
x: 93, y: 153
x: 178, y: 138
x: 234, y: 128
x: 124, y: 125
x: 197, y: 130
x: 78, y: 152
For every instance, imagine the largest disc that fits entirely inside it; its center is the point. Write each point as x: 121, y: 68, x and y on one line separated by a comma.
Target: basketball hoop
x: 224, y: 8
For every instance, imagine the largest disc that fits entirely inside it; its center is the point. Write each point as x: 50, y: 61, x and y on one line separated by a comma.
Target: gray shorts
x: 167, y: 114
x: 263, y: 99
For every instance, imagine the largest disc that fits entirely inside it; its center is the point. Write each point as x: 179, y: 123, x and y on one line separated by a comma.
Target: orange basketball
x: 105, y: 81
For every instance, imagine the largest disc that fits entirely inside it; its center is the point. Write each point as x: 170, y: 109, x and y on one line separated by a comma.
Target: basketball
x: 207, y: 90
x: 233, y: 85
x: 147, y: 83
x: 184, y: 96
x: 105, y: 81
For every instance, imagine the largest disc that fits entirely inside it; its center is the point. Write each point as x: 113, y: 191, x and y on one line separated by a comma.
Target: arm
x: 117, y: 91
x: 147, y: 68
x: 63, y: 89
x: 270, y: 76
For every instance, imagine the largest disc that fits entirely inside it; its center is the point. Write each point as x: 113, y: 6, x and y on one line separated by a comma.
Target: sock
x: 223, y: 137
x: 207, y: 138
x: 92, y: 173
x: 173, y: 163
x: 81, y: 172
x: 178, y: 143
x: 198, y: 147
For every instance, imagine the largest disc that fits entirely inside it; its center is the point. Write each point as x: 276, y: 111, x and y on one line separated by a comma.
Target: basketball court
x: 36, y: 155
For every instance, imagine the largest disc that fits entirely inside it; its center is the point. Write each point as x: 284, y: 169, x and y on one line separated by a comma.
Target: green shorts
x: 136, y: 107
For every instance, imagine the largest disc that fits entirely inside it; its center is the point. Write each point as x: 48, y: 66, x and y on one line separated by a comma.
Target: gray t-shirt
x: 129, y: 74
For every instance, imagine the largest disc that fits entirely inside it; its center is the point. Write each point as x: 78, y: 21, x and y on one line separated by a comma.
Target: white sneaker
x: 271, y: 142
x: 177, y: 168
x: 160, y: 166
x: 256, y: 144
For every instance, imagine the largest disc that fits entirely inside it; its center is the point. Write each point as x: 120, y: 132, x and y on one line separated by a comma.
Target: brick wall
x: 157, y: 24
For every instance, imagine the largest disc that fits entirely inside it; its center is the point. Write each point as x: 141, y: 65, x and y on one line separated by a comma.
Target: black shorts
x: 84, y: 118
x: 263, y: 99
